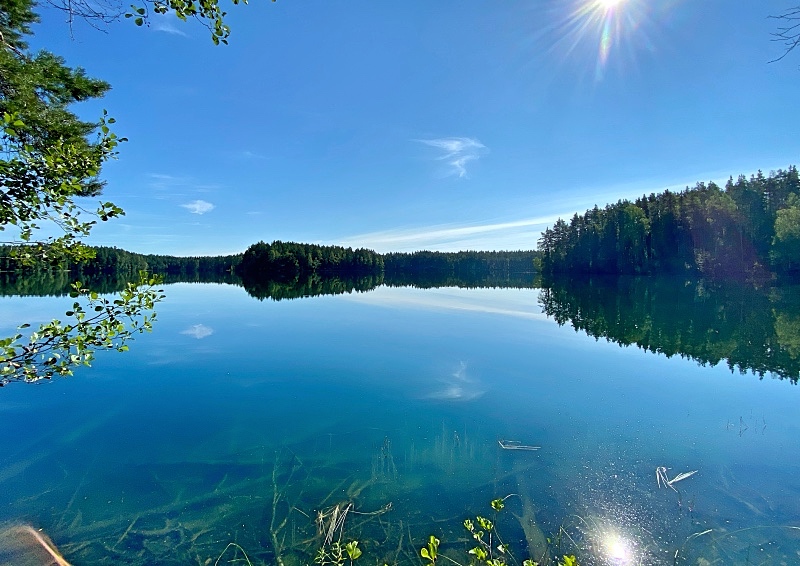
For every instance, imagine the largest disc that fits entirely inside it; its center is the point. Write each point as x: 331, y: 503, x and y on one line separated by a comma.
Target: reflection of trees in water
x: 56, y: 283
x: 430, y: 280
x: 308, y: 286
x: 750, y: 329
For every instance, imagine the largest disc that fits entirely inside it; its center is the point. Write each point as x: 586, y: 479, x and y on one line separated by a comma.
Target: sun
x: 609, y: 4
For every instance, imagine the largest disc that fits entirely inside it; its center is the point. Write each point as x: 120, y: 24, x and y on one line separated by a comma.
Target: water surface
x: 247, y: 421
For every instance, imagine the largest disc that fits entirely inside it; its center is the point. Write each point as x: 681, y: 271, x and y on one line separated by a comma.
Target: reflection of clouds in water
x: 518, y: 303
x: 198, y: 331
x: 458, y: 387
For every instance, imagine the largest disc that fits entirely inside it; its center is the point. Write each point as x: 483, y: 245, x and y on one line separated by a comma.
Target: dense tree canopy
x: 284, y: 261
x: 744, y: 230
x: 461, y: 264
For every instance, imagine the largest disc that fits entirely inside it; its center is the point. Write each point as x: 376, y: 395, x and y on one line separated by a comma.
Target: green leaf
x: 353, y: 552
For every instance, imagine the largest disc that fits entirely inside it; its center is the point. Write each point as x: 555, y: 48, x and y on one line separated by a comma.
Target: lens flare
x: 608, y: 29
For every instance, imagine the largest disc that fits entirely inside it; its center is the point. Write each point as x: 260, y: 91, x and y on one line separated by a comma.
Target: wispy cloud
x: 198, y: 331
x: 517, y: 234
x: 162, y: 182
x: 198, y: 206
x: 165, y: 24
x: 456, y: 152
x: 169, y: 28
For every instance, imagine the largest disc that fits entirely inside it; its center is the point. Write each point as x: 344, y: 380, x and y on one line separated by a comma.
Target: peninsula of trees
x: 749, y: 229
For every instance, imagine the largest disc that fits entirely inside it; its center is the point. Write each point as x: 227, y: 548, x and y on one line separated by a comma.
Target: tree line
x: 748, y: 229
x: 120, y: 263
x: 279, y: 270
x: 461, y: 264
x: 289, y: 260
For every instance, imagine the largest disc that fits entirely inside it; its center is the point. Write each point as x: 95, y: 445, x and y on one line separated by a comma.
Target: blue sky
x: 426, y: 125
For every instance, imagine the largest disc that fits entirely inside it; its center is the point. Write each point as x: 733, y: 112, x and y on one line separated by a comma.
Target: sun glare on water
x: 618, y: 550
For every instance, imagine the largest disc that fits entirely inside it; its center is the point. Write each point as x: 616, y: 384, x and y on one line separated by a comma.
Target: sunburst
x: 605, y: 23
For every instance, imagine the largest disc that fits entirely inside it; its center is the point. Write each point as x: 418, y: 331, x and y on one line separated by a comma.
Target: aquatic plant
x: 490, y: 548
x: 237, y: 548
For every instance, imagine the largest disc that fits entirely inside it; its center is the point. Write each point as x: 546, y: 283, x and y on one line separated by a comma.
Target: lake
x: 388, y: 416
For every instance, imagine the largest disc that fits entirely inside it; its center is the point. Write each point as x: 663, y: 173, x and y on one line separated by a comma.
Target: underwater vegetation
x: 367, y: 498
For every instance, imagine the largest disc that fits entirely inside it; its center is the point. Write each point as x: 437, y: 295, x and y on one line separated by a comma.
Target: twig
x: 515, y: 445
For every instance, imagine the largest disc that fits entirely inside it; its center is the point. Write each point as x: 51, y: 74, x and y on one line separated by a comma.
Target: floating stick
x: 515, y: 445
x: 663, y: 478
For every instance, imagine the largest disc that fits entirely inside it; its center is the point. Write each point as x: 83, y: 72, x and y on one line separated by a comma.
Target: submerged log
x: 22, y: 545
x: 538, y: 548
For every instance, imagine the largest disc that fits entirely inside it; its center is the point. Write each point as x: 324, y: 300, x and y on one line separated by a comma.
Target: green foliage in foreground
x: 49, y: 160
x: 97, y: 323
x: 490, y: 549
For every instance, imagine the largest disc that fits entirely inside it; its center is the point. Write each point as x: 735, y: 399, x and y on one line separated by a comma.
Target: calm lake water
x: 256, y: 422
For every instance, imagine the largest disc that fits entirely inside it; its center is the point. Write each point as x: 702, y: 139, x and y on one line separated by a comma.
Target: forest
x: 289, y: 260
x: 120, y: 263
x: 276, y: 270
x: 460, y: 264
x: 750, y: 229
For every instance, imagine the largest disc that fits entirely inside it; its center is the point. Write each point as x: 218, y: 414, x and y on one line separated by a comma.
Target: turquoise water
x: 249, y: 421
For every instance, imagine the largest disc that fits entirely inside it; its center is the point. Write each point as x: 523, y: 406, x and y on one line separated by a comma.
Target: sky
x: 443, y: 125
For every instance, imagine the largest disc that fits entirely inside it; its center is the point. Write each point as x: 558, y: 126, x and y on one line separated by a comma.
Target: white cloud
x: 198, y: 331
x: 517, y: 234
x: 456, y: 152
x: 165, y: 23
x: 198, y: 207
x: 169, y: 28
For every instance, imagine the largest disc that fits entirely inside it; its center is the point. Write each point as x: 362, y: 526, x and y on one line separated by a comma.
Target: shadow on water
x: 749, y: 329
